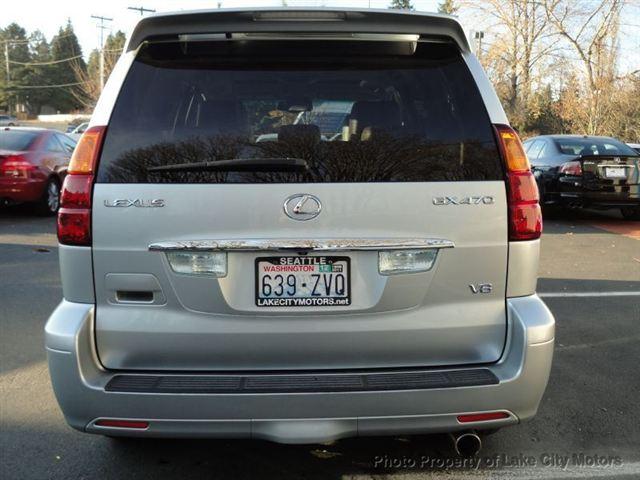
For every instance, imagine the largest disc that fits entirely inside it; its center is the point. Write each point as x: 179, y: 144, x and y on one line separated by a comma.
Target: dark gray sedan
x: 586, y: 171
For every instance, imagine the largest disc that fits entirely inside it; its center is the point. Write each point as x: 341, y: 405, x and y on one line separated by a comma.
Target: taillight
x: 74, y: 216
x: 16, y: 166
x: 525, y: 216
x: 571, y: 168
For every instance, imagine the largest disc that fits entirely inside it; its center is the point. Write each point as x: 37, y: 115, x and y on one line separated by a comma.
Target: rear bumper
x: 80, y: 382
x: 613, y: 195
x: 599, y: 200
x: 23, y: 190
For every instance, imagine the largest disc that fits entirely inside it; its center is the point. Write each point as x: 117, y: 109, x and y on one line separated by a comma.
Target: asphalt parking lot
x: 587, y: 425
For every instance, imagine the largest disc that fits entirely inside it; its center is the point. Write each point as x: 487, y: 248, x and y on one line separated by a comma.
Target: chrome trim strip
x: 322, y: 245
x: 342, y: 36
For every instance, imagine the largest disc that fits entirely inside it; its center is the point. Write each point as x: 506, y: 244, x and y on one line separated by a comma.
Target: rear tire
x: 551, y: 211
x: 50, y: 200
x: 630, y: 213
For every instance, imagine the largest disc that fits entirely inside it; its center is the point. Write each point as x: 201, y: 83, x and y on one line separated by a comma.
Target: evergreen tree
x: 38, y: 73
x: 93, y: 65
x: 65, y: 46
x: 401, y: 5
x: 448, y: 6
x: 18, y: 48
x: 88, y: 92
x: 113, y: 46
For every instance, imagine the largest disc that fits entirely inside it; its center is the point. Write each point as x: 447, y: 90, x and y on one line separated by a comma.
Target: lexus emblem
x: 302, y: 206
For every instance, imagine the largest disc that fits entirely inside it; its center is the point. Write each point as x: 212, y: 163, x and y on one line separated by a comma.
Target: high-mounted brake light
x: 299, y: 16
x: 525, y: 216
x: 74, y: 216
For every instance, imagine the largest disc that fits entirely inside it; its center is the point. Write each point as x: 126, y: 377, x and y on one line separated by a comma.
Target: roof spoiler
x: 300, y: 21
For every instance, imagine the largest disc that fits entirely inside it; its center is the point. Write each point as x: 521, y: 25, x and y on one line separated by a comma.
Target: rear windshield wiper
x: 284, y: 164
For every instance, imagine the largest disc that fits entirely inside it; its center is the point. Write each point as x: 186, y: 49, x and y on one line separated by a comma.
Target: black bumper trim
x: 300, y: 383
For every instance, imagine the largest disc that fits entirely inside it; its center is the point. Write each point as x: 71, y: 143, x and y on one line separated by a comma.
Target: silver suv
x: 298, y: 226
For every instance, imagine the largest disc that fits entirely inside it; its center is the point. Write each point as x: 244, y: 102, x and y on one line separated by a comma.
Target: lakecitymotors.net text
x: 499, y: 461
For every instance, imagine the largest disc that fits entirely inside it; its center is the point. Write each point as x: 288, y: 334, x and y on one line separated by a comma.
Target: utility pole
x: 102, y: 28
x: 6, y: 58
x: 142, y: 10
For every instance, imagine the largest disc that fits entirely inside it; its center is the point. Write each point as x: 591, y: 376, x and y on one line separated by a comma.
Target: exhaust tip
x: 468, y: 444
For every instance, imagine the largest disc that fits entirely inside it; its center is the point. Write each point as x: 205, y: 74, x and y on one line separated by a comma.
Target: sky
x: 49, y: 15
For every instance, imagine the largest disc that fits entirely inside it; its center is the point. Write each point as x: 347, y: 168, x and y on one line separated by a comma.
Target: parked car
x: 635, y: 146
x: 586, y: 171
x: 33, y: 163
x: 8, y: 121
x: 299, y: 290
x: 77, y: 132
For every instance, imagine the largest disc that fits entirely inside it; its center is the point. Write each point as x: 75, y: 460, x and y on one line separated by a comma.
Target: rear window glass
x: 298, y: 112
x: 16, y: 140
x: 593, y: 146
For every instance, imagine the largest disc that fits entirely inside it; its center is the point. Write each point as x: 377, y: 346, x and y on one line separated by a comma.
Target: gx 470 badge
x: 471, y: 200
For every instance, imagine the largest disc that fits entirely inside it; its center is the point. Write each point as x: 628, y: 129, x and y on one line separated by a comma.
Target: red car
x: 33, y: 162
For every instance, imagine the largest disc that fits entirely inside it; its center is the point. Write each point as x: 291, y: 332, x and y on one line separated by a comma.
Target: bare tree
x: 448, y: 6
x: 521, y: 32
x: 592, y: 31
x: 87, y: 90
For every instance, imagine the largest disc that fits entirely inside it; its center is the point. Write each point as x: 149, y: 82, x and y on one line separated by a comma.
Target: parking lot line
x: 587, y: 294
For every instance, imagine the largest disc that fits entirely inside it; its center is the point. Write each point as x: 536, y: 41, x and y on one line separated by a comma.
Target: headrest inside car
x: 295, y: 104
x: 382, y: 115
x: 224, y: 116
x: 299, y: 133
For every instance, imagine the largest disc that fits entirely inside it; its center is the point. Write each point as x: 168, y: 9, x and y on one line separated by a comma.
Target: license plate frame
x: 281, y: 301
x: 615, y: 172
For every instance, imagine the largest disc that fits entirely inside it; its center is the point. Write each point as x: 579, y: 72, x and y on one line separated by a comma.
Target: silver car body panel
x: 522, y: 273
x: 79, y: 382
x: 76, y: 272
x: 421, y: 319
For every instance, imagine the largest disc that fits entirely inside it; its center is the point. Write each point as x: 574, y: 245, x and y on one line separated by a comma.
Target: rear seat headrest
x: 223, y: 116
x: 295, y: 104
x: 385, y: 115
x: 302, y: 133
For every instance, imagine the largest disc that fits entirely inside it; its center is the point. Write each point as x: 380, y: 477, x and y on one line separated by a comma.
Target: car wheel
x: 50, y: 200
x: 630, y: 213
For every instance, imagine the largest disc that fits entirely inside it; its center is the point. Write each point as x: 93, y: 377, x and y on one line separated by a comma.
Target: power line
x: 29, y: 87
x: 52, y: 62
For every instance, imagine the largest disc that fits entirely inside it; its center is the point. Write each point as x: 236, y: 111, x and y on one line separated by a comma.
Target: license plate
x: 303, y: 281
x: 615, y: 172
